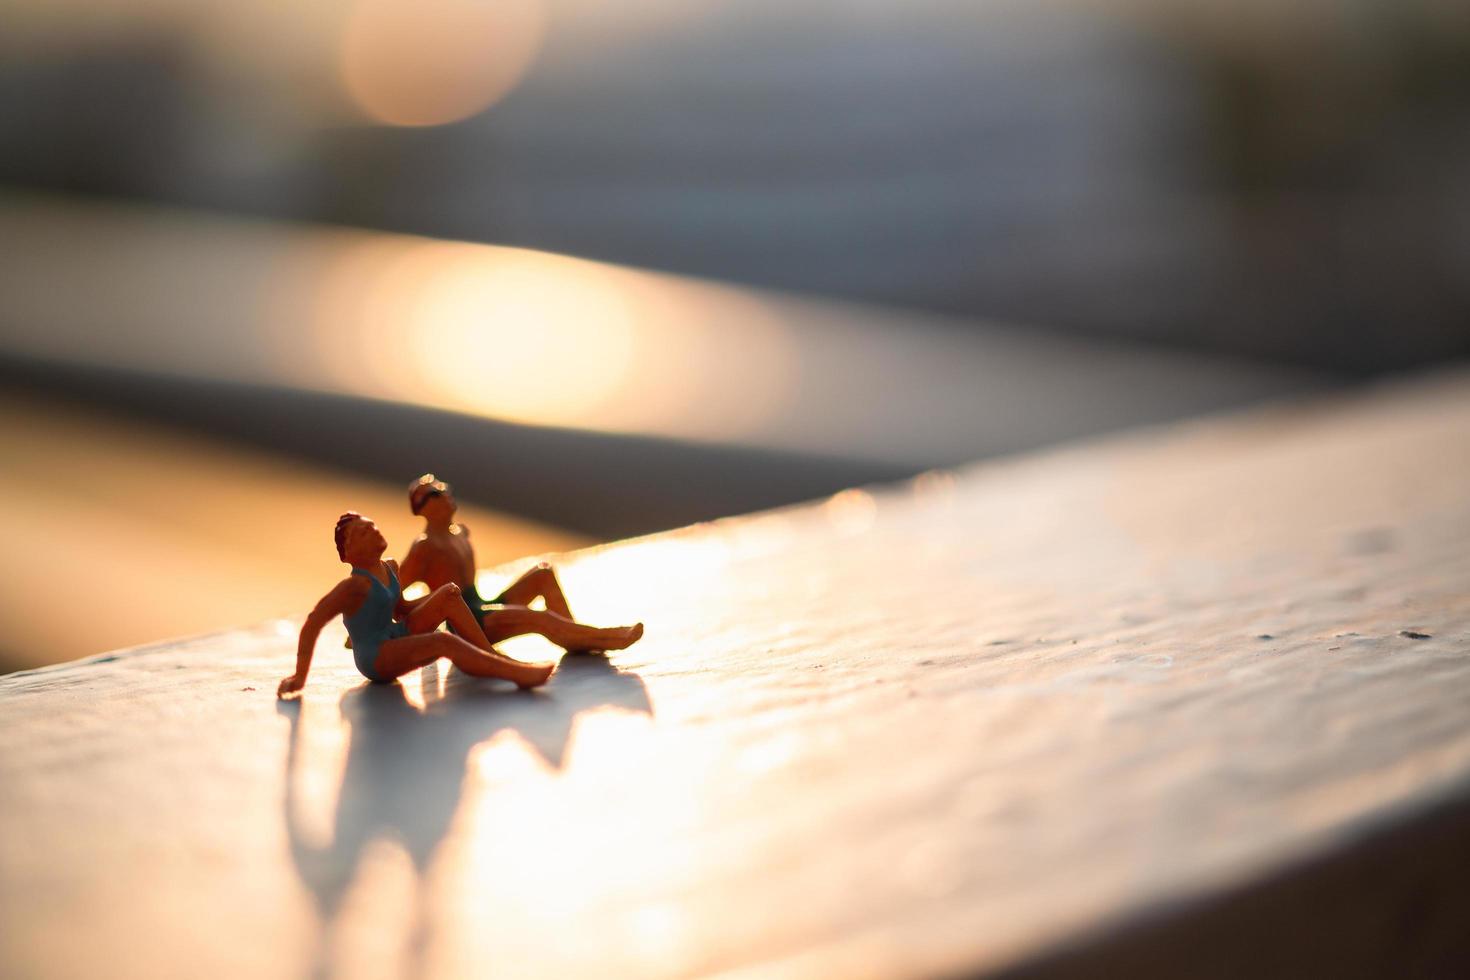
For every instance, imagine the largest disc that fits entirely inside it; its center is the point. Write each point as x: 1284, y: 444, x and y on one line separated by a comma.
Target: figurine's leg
x: 503, y: 622
x: 539, y: 581
x: 446, y: 605
x: 399, y: 656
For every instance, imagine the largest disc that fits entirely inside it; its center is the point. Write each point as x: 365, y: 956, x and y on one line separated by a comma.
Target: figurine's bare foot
x: 614, y: 638
x: 533, y: 675
x: 625, y: 636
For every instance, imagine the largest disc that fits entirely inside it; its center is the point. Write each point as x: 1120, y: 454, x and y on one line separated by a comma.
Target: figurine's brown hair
x: 340, y: 532
x: 420, y: 490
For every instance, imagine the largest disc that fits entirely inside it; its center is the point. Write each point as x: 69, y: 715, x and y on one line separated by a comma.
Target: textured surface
x: 958, y: 725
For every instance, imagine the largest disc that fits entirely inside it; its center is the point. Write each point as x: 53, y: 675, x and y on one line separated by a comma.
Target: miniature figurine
x: 391, y: 636
x: 442, y: 556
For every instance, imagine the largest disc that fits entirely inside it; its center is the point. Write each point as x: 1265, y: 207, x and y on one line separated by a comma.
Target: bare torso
x: 440, y: 557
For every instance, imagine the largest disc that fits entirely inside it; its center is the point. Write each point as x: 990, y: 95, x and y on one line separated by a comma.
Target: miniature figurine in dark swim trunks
x: 391, y: 636
x: 442, y: 555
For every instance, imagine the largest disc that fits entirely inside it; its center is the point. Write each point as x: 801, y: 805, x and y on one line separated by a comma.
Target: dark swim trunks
x: 478, y: 605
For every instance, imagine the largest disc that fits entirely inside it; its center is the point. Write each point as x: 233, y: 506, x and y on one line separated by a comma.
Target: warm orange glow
x: 429, y: 62
x: 504, y: 333
x: 530, y: 337
x: 523, y: 338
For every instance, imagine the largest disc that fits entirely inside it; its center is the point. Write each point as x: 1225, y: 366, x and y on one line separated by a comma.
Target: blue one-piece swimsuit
x: 373, y: 622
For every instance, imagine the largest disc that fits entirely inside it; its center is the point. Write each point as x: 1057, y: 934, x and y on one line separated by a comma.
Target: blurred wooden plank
x: 120, y: 532
x: 676, y: 399
x: 1053, y: 707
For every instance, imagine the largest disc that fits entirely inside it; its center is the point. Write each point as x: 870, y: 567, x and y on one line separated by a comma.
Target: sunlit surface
x: 852, y: 731
x: 436, y: 61
x: 851, y: 511
x: 470, y: 793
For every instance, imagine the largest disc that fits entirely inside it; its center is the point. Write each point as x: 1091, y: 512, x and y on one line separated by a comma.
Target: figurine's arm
x: 344, y: 597
x: 410, y: 566
x: 411, y: 569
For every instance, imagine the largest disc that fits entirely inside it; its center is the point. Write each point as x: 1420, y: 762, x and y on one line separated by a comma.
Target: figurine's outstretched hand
x: 290, y: 686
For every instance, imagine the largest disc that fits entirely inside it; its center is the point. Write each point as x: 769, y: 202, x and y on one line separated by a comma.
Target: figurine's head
x: 359, y: 542
x: 431, y: 497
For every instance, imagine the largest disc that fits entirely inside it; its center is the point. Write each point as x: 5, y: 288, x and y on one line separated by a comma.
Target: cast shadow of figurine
x: 405, y: 769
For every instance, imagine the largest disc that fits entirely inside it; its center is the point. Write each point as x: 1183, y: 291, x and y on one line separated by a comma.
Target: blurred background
x: 612, y: 268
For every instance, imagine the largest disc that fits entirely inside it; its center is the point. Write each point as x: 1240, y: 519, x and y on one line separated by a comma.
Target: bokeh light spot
x: 437, y: 61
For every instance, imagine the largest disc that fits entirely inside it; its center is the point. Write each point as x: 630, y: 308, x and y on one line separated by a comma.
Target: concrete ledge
x: 1189, y: 702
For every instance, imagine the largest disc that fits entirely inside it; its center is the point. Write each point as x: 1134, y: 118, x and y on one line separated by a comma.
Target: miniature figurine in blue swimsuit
x: 391, y: 636
x: 443, y: 556
x: 373, y: 622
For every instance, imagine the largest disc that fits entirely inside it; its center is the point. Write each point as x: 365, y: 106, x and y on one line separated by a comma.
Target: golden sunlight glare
x: 530, y: 337
x: 518, y: 339
x: 496, y: 332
